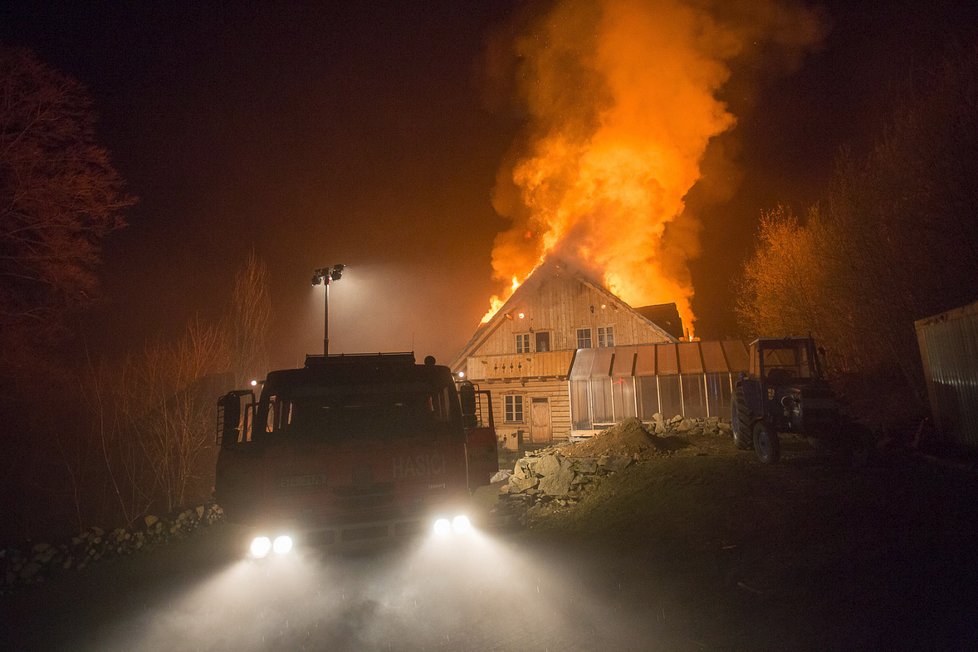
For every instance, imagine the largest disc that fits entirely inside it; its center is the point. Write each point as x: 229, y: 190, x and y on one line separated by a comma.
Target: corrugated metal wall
x: 949, y: 351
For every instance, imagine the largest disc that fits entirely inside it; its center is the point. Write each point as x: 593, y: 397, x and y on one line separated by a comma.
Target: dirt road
x: 702, y: 549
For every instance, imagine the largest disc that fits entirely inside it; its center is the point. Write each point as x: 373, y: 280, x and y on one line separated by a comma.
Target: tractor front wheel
x: 766, y: 443
x: 740, y: 421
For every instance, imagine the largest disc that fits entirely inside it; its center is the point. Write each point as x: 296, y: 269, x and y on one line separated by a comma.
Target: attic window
x: 606, y: 336
x: 522, y: 342
x: 584, y: 338
x: 543, y: 341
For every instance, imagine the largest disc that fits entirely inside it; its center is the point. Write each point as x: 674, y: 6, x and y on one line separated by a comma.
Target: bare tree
x: 175, y: 424
x: 150, y: 438
x: 247, y: 322
x: 128, y: 485
x: 59, y: 195
x: 895, y: 238
x: 59, y: 198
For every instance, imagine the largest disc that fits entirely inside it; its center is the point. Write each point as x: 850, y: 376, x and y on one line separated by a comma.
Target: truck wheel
x: 766, y: 443
x: 740, y: 421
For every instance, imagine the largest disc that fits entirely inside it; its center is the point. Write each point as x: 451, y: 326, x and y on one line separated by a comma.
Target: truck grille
x: 364, y: 533
x: 364, y: 497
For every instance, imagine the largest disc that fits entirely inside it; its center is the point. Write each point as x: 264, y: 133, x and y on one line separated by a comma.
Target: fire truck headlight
x: 282, y: 544
x: 461, y: 524
x: 260, y: 547
x: 443, y: 527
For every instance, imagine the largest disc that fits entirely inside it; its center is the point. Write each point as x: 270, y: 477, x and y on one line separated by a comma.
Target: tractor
x: 785, y: 391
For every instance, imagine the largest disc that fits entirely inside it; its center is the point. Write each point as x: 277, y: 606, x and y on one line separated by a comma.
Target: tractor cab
x: 785, y: 361
x: 784, y: 391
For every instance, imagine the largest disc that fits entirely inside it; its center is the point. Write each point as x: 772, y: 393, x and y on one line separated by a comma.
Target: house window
x: 523, y: 343
x: 543, y: 341
x: 514, y: 408
x: 606, y: 335
x: 584, y: 338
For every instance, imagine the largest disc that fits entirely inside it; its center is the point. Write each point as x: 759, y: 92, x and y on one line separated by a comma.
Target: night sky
x: 367, y: 134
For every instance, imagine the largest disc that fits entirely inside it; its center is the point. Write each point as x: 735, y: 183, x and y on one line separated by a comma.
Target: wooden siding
x: 556, y: 302
x: 555, y: 390
x: 561, y: 305
x: 519, y: 365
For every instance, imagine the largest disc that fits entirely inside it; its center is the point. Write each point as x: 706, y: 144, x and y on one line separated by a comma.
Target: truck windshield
x: 352, y: 411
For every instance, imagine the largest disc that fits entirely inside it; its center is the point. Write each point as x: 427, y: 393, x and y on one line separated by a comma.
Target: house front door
x: 540, y: 421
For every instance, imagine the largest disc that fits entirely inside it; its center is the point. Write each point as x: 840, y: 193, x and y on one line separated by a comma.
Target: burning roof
x: 559, y: 268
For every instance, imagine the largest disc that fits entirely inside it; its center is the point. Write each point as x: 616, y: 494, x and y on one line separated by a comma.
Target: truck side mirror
x: 466, y: 394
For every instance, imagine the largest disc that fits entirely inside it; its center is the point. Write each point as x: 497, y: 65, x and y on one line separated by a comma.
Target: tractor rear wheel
x: 740, y: 421
x: 766, y: 443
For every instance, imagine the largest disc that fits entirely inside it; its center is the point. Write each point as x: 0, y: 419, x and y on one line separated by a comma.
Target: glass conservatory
x: 692, y: 379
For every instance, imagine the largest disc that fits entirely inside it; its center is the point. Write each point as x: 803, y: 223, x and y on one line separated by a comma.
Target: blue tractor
x: 785, y: 391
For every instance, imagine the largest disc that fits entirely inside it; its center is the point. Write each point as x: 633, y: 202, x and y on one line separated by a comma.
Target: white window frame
x: 513, y: 408
x: 522, y: 342
x: 606, y: 336
x: 590, y: 341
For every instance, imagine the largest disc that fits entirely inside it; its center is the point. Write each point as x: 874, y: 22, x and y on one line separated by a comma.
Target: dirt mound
x: 628, y: 438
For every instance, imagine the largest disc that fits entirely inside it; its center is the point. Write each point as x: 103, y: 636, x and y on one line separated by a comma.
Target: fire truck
x: 353, y: 449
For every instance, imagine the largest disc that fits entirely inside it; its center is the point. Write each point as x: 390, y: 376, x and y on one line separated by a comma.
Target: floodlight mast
x: 326, y: 275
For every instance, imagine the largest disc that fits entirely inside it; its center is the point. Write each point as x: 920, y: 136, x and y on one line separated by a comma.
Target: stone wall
x: 32, y: 562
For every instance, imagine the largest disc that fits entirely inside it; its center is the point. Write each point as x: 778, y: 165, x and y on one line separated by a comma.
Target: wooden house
x: 524, y: 353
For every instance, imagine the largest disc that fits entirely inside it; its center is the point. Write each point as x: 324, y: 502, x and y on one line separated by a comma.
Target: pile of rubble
x: 562, y: 474
x: 31, y: 563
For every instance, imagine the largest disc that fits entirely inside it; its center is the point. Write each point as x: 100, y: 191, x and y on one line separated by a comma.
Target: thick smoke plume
x: 622, y: 101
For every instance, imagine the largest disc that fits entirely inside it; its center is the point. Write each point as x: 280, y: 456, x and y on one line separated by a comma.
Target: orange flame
x: 622, y: 99
x: 496, y: 302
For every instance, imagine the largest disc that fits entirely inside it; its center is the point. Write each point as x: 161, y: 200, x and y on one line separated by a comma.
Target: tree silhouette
x: 59, y: 195
x: 893, y: 240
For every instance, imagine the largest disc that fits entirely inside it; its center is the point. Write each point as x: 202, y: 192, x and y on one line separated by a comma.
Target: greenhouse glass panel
x: 671, y: 396
x: 623, y: 393
x: 694, y: 396
x: 580, y: 405
x: 718, y: 395
x: 713, y: 357
x: 648, y: 397
x: 690, y: 360
x: 667, y: 363
x: 645, y: 361
x: 604, y: 413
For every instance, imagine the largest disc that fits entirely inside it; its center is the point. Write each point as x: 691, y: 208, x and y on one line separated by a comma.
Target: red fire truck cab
x: 352, y: 449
